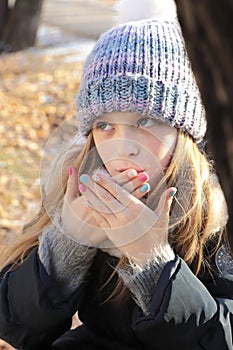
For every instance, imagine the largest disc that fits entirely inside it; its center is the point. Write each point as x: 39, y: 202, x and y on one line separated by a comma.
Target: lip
x: 121, y: 170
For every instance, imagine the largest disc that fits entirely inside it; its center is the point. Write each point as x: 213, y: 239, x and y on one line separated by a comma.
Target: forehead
x: 120, y: 117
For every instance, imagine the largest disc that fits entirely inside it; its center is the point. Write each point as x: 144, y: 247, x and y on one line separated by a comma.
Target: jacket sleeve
x: 66, y: 261
x: 33, y: 312
x: 184, y: 312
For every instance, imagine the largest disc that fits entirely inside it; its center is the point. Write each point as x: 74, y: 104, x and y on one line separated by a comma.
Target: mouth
x: 121, y: 170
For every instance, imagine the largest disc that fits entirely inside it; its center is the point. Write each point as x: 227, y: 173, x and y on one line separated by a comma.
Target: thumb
x: 72, y: 185
x: 165, y: 202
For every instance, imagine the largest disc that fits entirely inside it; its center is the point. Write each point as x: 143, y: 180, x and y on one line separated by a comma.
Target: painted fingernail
x: 143, y: 177
x: 70, y: 171
x: 82, y: 188
x: 95, y: 177
x: 145, y: 188
x: 132, y: 173
x: 84, y: 179
x: 172, y: 193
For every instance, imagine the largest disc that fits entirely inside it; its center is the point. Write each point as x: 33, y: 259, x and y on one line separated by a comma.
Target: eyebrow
x: 133, y: 121
x: 96, y: 122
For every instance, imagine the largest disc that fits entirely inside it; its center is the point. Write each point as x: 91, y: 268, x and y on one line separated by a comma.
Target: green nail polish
x: 172, y: 193
x: 145, y: 188
x: 84, y: 179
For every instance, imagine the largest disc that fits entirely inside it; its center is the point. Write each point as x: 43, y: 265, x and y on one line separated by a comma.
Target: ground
x: 37, y: 92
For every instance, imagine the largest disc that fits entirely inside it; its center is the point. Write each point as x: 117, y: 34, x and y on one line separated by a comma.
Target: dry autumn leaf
x: 37, y: 93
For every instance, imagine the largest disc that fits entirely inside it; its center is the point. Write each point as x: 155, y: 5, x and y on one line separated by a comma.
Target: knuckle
x: 129, y: 187
x: 86, y: 202
x: 69, y: 182
x: 106, y: 197
x: 101, y: 208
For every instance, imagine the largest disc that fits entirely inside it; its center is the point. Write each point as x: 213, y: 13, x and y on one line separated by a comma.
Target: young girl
x: 131, y: 228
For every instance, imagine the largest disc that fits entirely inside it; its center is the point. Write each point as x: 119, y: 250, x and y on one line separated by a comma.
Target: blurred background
x: 43, y: 45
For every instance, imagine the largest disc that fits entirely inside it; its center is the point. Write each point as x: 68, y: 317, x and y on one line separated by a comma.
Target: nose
x: 127, y: 145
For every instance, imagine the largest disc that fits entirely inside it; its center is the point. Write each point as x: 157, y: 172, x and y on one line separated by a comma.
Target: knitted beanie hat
x: 142, y: 66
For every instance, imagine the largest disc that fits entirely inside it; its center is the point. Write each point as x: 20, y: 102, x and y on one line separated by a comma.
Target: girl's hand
x: 78, y: 221
x: 133, y: 228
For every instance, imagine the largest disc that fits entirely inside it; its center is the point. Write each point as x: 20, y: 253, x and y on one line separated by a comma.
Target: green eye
x: 145, y: 121
x: 103, y: 126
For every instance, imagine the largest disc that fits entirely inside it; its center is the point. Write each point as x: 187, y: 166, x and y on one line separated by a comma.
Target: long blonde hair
x: 194, y: 219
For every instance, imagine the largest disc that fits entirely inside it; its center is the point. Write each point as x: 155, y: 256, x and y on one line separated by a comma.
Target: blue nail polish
x: 84, y: 179
x: 145, y: 188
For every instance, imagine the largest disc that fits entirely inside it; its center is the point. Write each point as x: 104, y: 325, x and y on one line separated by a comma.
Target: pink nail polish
x: 143, y: 177
x: 82, y: 188
x: 70, y: 171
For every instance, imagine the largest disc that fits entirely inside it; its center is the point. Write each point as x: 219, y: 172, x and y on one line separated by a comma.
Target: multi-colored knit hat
x: 142, y: 66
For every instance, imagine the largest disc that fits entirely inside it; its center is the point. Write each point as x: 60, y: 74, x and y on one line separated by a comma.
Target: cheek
x: 163, y: 155
x: 104, y: 151
x: 106, y: 160
x: 98, y: 144
x: 164, y: 147
x: 158, y: 158
x: 157, y: 153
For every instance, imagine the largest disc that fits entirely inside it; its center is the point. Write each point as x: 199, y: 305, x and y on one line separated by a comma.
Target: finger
x: 72, y: 185
x: 107, y: 190
x: 141, y: 191
x: 137, y: 183
x: 131, y: 179
x: 125, y: 176
x: 97, y: 200
x: 165, y: 202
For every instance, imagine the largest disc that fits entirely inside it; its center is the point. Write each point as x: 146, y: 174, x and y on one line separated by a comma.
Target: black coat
x: 186, y: 312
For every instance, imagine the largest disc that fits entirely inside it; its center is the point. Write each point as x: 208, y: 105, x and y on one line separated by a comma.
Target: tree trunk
x: 208, y: 31
x: 21, y: 28
x: 4, y: 14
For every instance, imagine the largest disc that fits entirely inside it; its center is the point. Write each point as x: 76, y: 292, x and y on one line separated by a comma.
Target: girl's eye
x: 104, y: 126
x: 145, y: 121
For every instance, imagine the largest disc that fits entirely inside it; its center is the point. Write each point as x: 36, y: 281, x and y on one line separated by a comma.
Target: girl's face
x: 126, y: 140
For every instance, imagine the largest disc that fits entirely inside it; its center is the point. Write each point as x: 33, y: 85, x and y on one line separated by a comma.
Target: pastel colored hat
x: 142, y: 66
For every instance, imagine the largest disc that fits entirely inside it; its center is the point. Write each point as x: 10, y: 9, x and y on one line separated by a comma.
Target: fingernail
x: 172, y: 193
x: 70, y: 171
x: 84, y: 179
x: 145, y: 188
x: 143, y: 177
x: 132, y: 173
x: 95, y: 177
x: 82, y: 188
